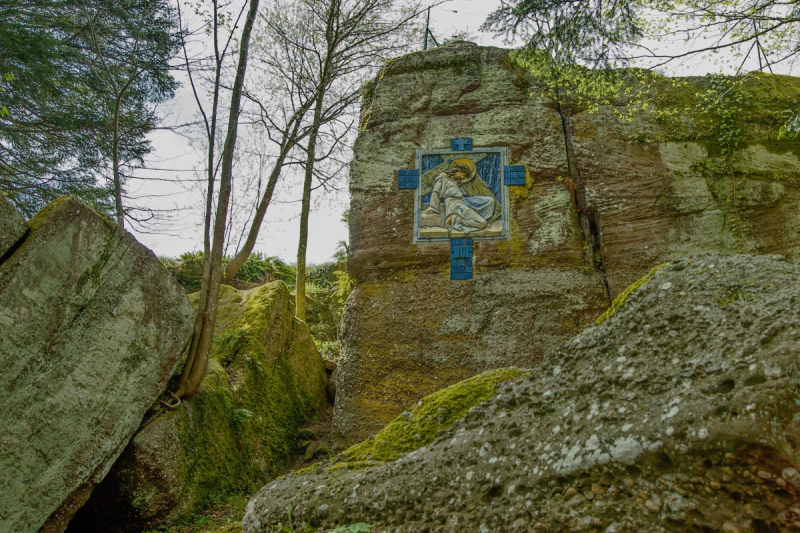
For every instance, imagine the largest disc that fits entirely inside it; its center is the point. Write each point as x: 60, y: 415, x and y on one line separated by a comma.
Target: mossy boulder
x: 433, y: 414
x: 91, y: 328
x: 265, y: 378
x: 678, y: 413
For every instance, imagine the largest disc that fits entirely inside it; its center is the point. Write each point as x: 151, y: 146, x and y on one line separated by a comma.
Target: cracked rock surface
x: 681, y: 412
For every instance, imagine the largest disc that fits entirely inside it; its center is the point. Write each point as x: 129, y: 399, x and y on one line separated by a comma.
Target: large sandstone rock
x: 661, y: 186
x: 678, y: 413
x: 265, y: 378
x: 12, y: 225
x: 91, y: 327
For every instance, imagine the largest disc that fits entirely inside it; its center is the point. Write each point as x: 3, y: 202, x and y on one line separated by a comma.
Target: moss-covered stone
x: 619, y: 301
x: 264, y: 379
x: 418, y: 427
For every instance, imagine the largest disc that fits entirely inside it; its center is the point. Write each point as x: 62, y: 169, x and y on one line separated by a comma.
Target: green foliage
x: 589, y: 32
x: 328, y: 349
x: 344, y: 284
x: 322, y: 276
x: 55, y: 124
x: 725, y: 102
x: 188, y: 269
x: 791, y: 127
x: 258, y: 268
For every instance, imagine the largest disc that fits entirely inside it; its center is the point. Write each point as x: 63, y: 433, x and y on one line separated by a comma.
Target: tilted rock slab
x: 265, y: 378
x: 679, y: 413
x: 91, y: 326
x: 12, y: 225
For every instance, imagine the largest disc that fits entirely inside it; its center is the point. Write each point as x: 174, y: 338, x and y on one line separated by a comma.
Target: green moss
x: 264, y: 380
x: 435, y: 412
x: 619, y: 301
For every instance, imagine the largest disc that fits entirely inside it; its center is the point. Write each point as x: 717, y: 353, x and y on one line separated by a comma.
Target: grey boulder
x: 91, y: 328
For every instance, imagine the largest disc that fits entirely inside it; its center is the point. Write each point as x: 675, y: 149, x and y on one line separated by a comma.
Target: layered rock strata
x: 680, y: 412
x: 657, y: 182
x: 91, y: 327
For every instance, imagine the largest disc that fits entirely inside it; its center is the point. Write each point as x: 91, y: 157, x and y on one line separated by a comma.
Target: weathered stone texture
x: 91, y: 327
x: 265, y: 378
x: 661, y: 186
x: 678, y: 413
x: 12, y: 225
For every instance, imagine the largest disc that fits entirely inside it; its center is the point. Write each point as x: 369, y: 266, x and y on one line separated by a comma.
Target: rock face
x: 265, y: 378
x: 12, y: 225
x: 91, y: 328
x: 678, y: 413
x: 661, y: 187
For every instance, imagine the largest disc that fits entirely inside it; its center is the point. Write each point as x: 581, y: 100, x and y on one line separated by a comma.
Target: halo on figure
x: 467, y: 165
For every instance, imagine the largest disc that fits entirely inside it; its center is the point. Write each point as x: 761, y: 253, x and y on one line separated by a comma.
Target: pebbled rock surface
x: 681, y: 412
x: 91, y: 327
x: 12, y: 225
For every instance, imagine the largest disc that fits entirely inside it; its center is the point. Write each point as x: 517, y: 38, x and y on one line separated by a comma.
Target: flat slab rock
x: 12, y: 225
x: 679, y: 413
x: 91, y: 327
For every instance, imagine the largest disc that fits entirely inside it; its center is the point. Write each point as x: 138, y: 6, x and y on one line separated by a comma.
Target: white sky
x: 279, y: 233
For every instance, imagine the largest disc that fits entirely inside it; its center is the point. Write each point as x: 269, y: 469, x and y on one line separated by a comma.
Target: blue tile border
x: 408, y: 178
x: 461, y: 144
x: 514, y: 174
x: 461, y: 259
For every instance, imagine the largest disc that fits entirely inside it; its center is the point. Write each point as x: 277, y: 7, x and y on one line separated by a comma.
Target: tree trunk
x: 236, y: 263
x: 300, y: 286
x: 200, y: 348
x: 115, y: 164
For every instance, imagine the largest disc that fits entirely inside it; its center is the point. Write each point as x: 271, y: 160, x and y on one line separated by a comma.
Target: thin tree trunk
x: 291, y: 140
x: 115, y: 150
x: 200, y: 348
x: 300, y: 286
x: 115, y: 164
x: 236, y: 263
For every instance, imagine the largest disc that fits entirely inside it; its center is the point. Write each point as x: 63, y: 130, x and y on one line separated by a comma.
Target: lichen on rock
x: 265, y: 379
x: 91, y: 327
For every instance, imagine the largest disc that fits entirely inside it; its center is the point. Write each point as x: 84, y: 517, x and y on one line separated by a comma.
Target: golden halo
x: 467, y: 163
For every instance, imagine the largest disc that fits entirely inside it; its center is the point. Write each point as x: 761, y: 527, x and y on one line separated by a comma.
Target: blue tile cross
x: 461, y: 145
x: 514, y: 174
x: 460, y: 259
x: 461, y: 253
x: 408, y: 178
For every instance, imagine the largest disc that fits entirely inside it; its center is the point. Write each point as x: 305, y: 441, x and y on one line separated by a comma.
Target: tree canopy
x: 58, y: 59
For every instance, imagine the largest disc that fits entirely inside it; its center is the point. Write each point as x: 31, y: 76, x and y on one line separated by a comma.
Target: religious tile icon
x: 461, y: 195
